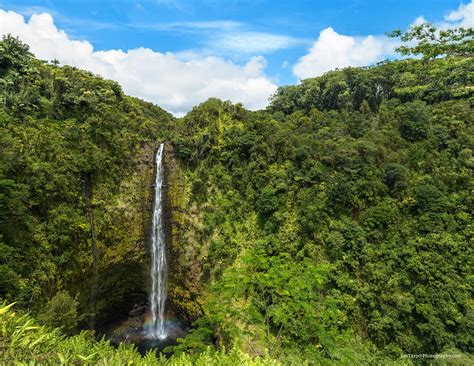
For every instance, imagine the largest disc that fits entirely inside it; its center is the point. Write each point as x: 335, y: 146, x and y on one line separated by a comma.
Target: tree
x: 414, y: 120
x: 13, y: 54
x: 432, y: 42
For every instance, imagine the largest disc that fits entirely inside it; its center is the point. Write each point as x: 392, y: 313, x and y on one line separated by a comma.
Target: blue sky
x: 260, y: 38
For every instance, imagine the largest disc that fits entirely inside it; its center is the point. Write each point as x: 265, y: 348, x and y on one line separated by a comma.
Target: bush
x: 23, y: 342
x: 61, y: 312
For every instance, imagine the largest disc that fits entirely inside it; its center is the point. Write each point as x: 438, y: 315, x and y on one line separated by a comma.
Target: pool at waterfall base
x: 152, y: 325
x: 136, y: 330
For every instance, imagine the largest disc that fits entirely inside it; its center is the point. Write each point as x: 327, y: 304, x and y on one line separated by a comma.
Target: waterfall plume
x: 159, y: 270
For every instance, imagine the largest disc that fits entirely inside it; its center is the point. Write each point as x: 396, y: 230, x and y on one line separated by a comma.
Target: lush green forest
x: 333, y: 227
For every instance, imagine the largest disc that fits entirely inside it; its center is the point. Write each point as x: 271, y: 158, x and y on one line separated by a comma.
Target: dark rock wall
x: 123, y: 240
x: 124, y: 230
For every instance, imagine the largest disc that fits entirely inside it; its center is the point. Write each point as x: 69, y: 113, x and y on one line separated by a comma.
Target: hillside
x: 334, y: 227
x: 343, y: 212
x: 76, y: 165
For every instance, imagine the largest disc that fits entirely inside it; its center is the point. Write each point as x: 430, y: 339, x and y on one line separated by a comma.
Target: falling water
x: 158, y: 258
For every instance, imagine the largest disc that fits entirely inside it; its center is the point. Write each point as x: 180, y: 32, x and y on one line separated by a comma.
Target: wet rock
x: 138, y: 311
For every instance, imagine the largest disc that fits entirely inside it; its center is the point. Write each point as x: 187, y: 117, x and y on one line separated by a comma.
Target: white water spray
x: 159, y: 270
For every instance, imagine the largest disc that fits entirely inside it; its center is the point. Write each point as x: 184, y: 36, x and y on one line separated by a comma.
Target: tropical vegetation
x: 333, y: 227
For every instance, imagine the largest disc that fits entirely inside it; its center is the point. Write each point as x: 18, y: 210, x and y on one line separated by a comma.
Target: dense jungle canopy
x: 333, y: 227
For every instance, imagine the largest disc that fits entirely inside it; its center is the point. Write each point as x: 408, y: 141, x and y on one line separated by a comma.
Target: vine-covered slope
x: 343, y: 213
x: 334, y: 227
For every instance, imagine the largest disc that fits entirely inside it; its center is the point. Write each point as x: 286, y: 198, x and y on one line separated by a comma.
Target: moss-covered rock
x: 186, y: 289
x: 123, y: 227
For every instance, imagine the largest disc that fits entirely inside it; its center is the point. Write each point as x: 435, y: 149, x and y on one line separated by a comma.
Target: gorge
x: 333, y: 227
x: 157, y: 323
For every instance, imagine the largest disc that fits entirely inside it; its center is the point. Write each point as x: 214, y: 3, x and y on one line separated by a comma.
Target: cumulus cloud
x: 163, y: 78
x: 333, y: 50
x: 461, y: 17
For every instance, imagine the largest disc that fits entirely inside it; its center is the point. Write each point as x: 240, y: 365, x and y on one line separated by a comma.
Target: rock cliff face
x: 124, y: 229
x: 185, y: 250
x: 123, y: 240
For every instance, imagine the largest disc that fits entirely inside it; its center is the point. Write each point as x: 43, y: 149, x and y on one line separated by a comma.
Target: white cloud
x: 461, y: 17
x: 333, y: 50
x: 418, y: 21
x: 166, y: 79
x: 176, y: 4
x: 244, y: 42
x: 228, y: 37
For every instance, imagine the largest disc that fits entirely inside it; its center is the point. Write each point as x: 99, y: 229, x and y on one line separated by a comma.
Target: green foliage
x: 23, y: 342
x: 70, y: 143
x: 428, y: 198
x: 335, y: 227
x: 198, y: 340
x: 432, y: 43
x: 395, y: 177
x: 348, y: 89
x: 61, y: 312
x: 414, y: 120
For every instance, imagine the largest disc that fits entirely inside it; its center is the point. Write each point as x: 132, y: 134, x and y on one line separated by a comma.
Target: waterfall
x: 159, y: 270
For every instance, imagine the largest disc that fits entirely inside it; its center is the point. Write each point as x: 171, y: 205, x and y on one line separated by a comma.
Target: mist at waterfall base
x: 134, y: 330
x: 174, y: 329
x: 159, y: 326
